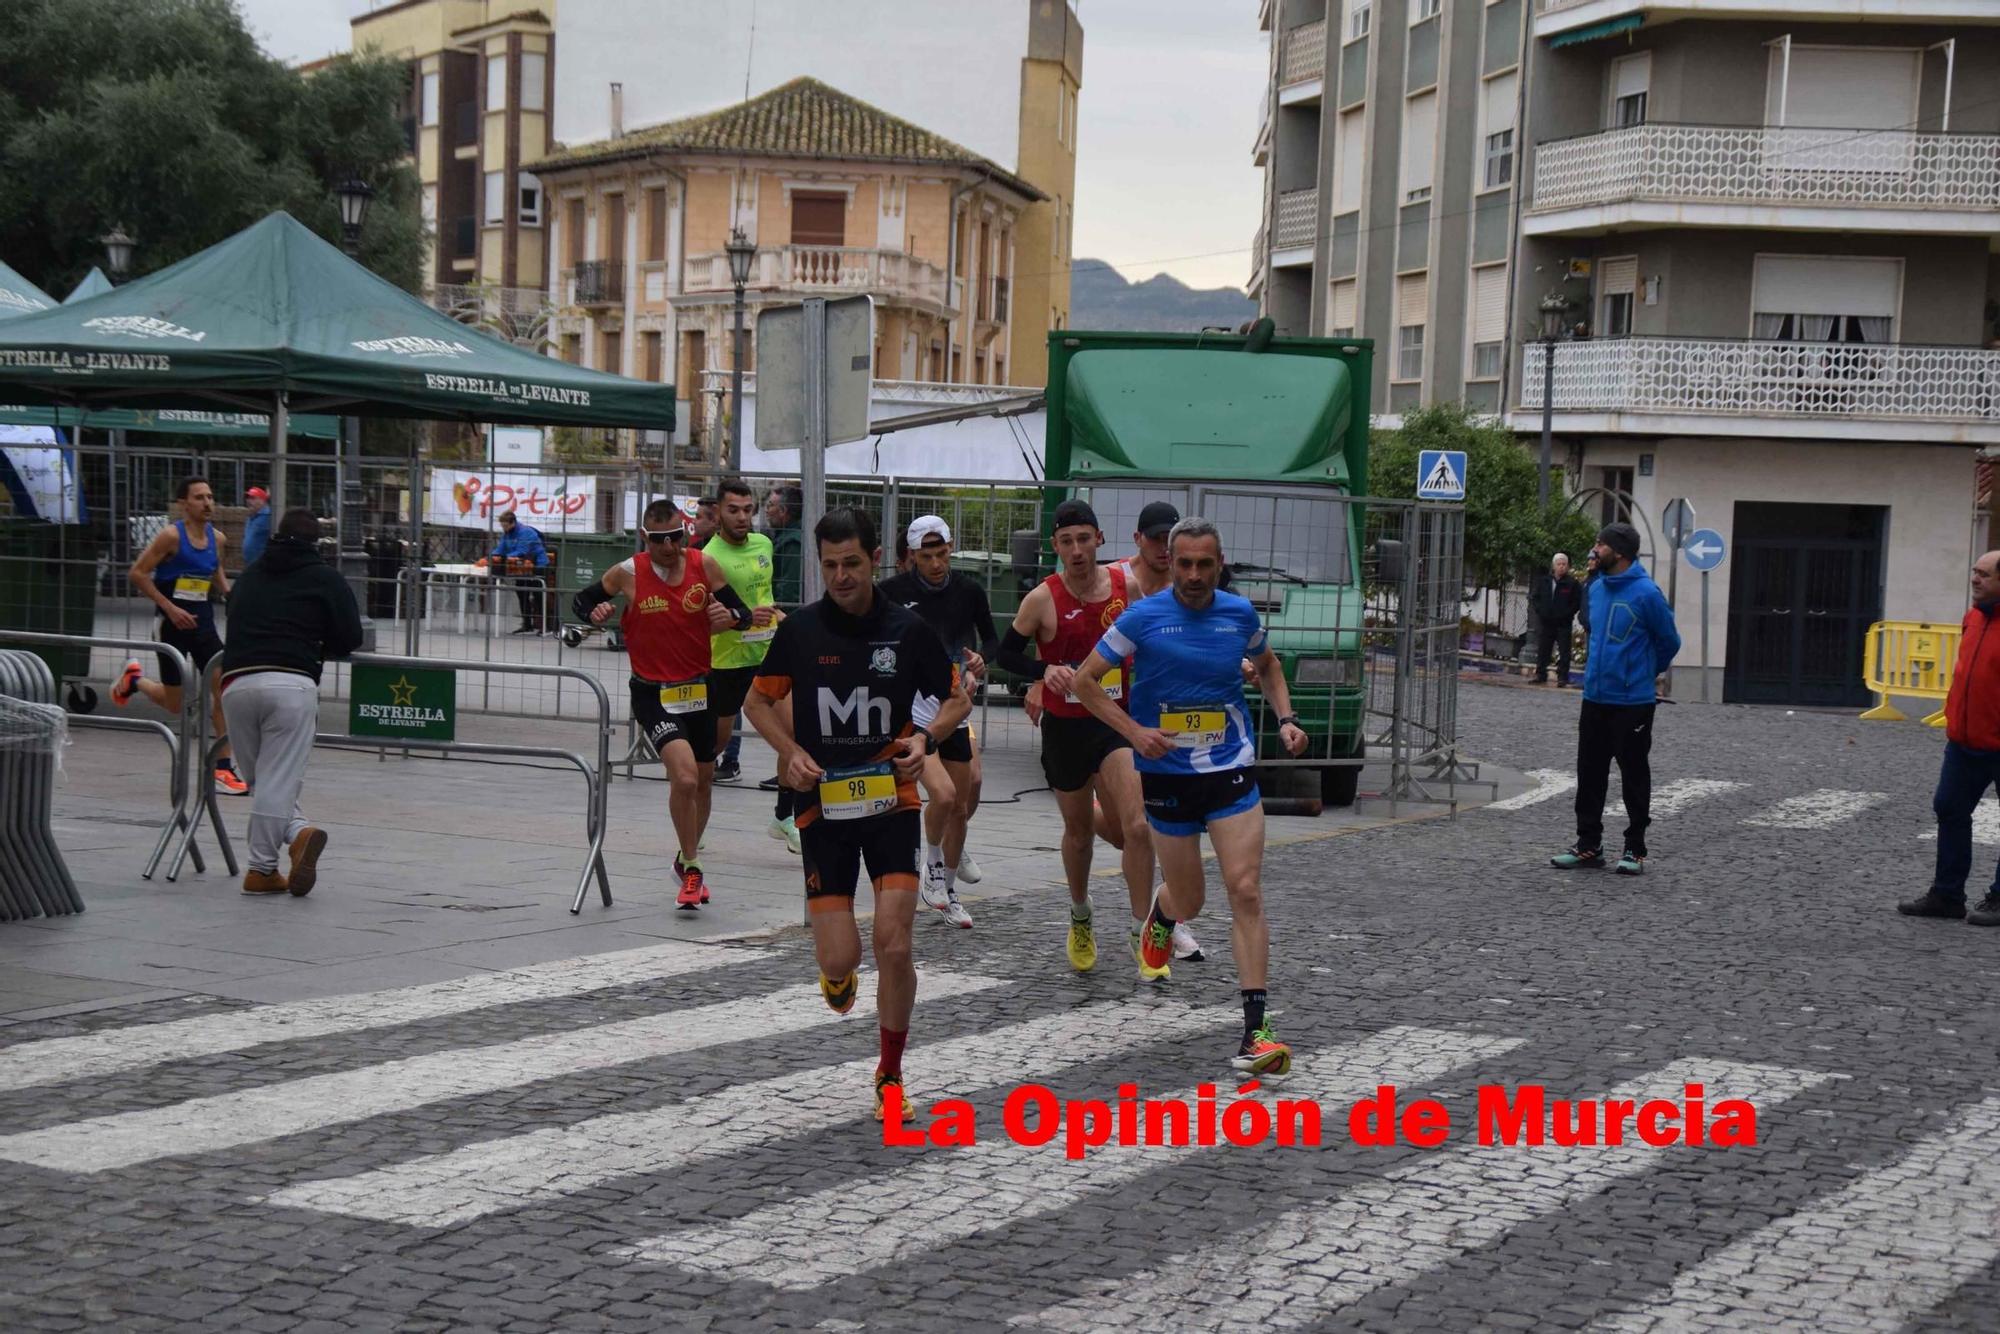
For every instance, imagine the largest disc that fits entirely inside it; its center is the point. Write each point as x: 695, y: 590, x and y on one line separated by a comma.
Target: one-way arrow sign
x: 1705, y: 548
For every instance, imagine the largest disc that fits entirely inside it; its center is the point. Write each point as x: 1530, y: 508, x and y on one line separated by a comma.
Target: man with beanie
x: 1632, y: 642
x: 290, y: 613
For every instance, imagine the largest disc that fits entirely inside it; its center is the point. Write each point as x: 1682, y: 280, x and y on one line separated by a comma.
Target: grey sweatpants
x: 272, y: 717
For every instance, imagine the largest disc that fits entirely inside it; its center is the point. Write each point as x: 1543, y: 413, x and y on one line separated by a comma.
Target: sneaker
x: 306, y: 849
x: 229, y: 783
x: 769, y: 784
x: 883, y: 1082
x: 1156, y: 945
x: 840, y: 995
x: 968, y: 869
x: 1263, y: 1055
x: 1139, y: 957
x: 935, y: 888
x: 1578, y: 858
x: 693, y: 892
x: 524, y: 630
x: 1987, y: 913
x: 128, y: 682
x: 728, y: 771
x: 263, y: 882
x: 683, y: 870
x: 1185, y: 946
x: 1082, y: 944
x: 1934, y: 904
x: 955, y: 913
x: 1630, y: 863
x: 788, y: 830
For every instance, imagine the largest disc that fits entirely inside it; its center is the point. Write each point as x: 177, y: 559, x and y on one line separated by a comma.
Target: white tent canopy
x: 998, y: 449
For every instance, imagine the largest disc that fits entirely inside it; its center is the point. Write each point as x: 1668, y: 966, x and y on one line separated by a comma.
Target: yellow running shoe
x: 1082, y: 945
x: 840, y: 995
x: 1163, y: 973
x: 1263, y: 1055
x: 883, y: 1079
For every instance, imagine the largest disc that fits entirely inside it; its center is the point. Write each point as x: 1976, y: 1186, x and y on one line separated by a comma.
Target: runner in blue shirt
x: 1190, y: 728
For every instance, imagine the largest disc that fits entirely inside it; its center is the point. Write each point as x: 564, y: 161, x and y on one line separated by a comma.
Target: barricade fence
x: 1911, y: 658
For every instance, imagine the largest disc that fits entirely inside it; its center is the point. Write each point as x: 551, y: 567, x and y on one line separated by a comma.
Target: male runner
x: 1147, y: 567
x: 953, y: 604
x: 188, y: 569
x: 676, y: 599
x: 745, y: 558
x: 1065, y: 615
x: 870, y: 687
x: 1197, y: 756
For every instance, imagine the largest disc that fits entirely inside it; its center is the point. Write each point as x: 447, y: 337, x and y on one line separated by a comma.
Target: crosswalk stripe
x: 1675, y: 797
x: 1985, y: 823
x: 1821, y: 809
x: 1882, y: 1252
x: 1548, y: 783
x: 484, y: 1178
x: 93, y: 1055
x: 951, y: 1194
x: 1316, y: 1259
x: 227, y: 1120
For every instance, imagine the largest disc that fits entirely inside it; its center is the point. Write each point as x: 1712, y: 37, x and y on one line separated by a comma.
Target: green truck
x: 1268, y: 437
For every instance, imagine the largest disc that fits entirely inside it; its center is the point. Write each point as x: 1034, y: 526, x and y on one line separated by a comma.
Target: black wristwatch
x: 1291, y: 719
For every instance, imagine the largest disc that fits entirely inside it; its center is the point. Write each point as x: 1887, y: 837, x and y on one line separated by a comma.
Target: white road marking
x: 1985, y: 823
x: 1677, y: 796
x: 227, y: 1120
x: 1548, y: 783
x: 1316, y: 1259
x: 1876, y: 1255
x: 91, y: 1055
x: 480, y: 1179
x: 950, y: 1194
x: 1817, y: 810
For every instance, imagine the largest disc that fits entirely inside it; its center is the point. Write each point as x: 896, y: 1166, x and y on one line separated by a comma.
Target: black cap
x: 1157, y: 519
x: 1622, y: 538
x: 1071, y: 513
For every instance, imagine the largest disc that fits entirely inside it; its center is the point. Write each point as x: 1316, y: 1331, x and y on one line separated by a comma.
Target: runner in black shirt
x: 954, y: 605
x: 870, y: 688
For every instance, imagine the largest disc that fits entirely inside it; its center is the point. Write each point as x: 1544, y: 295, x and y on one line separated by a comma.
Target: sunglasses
x: 670, y: 535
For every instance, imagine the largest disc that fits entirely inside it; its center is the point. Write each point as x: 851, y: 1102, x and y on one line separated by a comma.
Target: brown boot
x: 263, y: 882
x: 305, y: 856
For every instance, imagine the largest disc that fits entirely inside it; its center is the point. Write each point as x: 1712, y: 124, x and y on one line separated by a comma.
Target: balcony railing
x: 1745, y: 378
x: 519, y: 314
x: 1768, y: 165
x: 1303, y: 58
x: 598, y: 282
x: 1298, y: 212
x: 812, y: 268
x: 1256, y: 260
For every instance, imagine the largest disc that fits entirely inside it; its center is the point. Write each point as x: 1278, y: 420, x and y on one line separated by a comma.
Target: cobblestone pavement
x: 678, y: 1136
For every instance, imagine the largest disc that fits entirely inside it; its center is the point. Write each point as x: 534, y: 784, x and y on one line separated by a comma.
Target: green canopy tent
x: 18, y: 296
x: 94, y: 284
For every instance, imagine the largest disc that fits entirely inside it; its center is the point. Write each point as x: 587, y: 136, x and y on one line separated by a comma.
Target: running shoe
x: 1263, y: 1055
x: 883, y: 1082
x: 728, y: 771
x: 683, y: 870
x: 955, y: 913
x: 840, y: 995
x: 693, y: 892
x: 968, y: 869
x: 1156, y: 945
x: 935, y: 888
x: 1631, y: 863
x: 229, y: 782
x: 1185, y: 945
x: 1578, y: 858
x: 127, y: 682
x: 1139, y: 957
x: 788, y: 830
x: 1082, y: 944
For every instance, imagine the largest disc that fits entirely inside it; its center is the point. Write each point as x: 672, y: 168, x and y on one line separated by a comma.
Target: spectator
x: 290, y: 613
x: 1555, y: 601
x: 705, y: 522
x: 1971, y: 759
x: 782, y: 510
x: 520, y: 542
x: 256, y: 528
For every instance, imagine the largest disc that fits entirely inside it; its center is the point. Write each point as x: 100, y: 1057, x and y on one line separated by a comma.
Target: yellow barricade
x: 1909, y: 658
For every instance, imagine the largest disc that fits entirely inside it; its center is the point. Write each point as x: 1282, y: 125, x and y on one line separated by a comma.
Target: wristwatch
x: 1290, y: 719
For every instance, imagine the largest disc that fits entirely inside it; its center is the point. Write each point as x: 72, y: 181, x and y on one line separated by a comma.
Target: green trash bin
x: 581, y: 560
x: 48, y: 584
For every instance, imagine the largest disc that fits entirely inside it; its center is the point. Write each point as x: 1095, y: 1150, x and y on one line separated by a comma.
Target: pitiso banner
x: 478, y: 499
x: 402, y: 703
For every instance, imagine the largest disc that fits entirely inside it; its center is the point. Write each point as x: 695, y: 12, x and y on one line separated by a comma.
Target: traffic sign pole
x: 1704, y: 636
x: 1705, y: 550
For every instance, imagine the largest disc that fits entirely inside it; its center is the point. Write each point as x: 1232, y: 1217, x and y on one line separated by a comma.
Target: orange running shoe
x: 127, y: 682
x: 229, y: 782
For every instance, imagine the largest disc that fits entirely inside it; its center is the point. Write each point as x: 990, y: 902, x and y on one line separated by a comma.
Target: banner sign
x: 402, y: 703
x: 478, y: 499
x: 41, y: 481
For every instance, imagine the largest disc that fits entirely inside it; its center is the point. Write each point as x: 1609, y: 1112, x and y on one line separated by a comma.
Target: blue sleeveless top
x: 187, y: 575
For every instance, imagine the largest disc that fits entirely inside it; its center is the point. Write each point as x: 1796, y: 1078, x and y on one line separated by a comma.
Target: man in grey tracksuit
x: 289, y: 613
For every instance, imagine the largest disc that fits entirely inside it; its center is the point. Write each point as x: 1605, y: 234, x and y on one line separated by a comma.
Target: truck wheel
x: 1289, y: 791
x: 1337, y: 786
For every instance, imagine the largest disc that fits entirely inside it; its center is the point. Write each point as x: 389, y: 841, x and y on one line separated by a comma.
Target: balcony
x: 464, y: 237
x: 1292, y: 236
x: 1302, y: 64
x: 1559, y: 16
x: 815, y: 270
x: 598, y: 282
x: 1256, y: 282
x: 465, y: 125
x: 1739, y: 387
x: 521, y: 315
x: 1260, y: 150
x: 1766, y: 176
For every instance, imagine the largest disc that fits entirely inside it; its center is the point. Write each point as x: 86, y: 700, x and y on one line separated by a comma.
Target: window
x: 430, y: 207
x: 1616, y: 507
x: 496, y: 196
x: 1631, y: 76
x: 1842, y: 87
x: 572, y: 349
x: 819, y: 218
x: 655, y: 362
x: 1617, y: 282
x: 1497, y: 116
x: 1489, y: 320
x: 1055, y: 231
x: 1350, y: 156
x: 1342, y: 321
x: 1412, y: 309
x: 1062, y: 113
x: 1423, y: 9
x: 430, y: 98
x: 1358, y: 12
x: 573, y: 229
x: 496, y: 83
x: 528, y: 191
x: 611, y: 229
x: 1419, y: 146
x: 608, y: 363
x: 534, y: 80
x: 1825, y: 299
x: 656, y: 222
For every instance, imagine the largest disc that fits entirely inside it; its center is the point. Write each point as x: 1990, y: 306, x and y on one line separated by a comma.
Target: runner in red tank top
x: 1080, y: 755
x: 677, y: 598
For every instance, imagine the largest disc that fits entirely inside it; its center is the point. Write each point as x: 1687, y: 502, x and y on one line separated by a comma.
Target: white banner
x: 478, y: 499
x: 688, y: 504
x: 46, y: 476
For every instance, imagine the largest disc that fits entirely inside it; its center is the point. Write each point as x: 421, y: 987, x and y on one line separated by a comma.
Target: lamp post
x: 1551, y: 326
x: 741, y: 252
x: 118, y: 245
x: 118, y: 254
x: 354, y: 196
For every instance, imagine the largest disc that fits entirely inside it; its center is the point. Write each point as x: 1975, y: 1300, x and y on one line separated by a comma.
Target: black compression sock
x: 1253, y: 1011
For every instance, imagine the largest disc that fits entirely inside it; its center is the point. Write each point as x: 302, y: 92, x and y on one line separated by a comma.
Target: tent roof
x: 94, y: 284
x: 18, y: 296
x: 276, y: 310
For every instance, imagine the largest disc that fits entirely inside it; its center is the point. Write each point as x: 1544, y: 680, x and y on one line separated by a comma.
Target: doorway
x: 1805, y: 583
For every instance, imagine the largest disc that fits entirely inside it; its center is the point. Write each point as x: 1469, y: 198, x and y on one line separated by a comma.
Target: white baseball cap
x: 926, y: 525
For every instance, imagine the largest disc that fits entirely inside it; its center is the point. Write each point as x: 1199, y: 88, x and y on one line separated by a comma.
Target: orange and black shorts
x: 834, y: 852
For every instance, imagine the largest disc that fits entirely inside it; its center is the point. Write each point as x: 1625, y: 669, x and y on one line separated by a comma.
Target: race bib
x: 763, y: 636
x: 191, y: 588
x: 857, y: 793
x: 1194, y: 725
x: 1113, y: 682
x: 688, y: 697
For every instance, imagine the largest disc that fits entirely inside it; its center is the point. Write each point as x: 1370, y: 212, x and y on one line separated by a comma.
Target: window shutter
x: 1344, y: 305
x: 1489, y: 304
x: 1413, y: 299
x: 1419, y: 143
x: 1633, y: 74
x: 1499, y: 108
x: 1619, y: 275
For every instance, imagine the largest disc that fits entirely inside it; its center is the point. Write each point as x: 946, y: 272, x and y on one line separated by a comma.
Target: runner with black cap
x: 1147, y: 567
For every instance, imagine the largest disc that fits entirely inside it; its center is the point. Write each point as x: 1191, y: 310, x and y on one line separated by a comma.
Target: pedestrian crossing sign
x: 1441, y: 474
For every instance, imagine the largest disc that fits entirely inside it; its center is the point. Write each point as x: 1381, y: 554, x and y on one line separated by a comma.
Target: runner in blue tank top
x: 1190, y: 728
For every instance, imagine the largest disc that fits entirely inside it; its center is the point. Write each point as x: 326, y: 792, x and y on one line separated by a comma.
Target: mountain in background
x: 1100, y: 298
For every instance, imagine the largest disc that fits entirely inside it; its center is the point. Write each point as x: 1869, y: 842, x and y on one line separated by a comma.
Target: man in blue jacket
x: 520, y: 542
x: 1632, y: 642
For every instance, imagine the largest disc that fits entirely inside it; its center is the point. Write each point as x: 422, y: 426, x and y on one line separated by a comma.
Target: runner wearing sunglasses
x: 676, y: 598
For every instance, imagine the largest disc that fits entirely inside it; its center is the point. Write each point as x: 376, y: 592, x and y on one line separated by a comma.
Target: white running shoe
x: 968, y: 870
x: 935, y: 888
x: 1185, y: 946
x: 787, y: 831
x: 955, y: 913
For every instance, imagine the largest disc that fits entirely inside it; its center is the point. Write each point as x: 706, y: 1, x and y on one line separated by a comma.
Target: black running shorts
x: 1074, y: 748
x: 958, y: 746
x: 200, y: 644
x: 696, y: 727
x: 834, y: 852
x: 1183, y: 804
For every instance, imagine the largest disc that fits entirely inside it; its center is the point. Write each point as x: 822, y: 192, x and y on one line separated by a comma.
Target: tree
x: 162, y: 116
x: 1506, y: 534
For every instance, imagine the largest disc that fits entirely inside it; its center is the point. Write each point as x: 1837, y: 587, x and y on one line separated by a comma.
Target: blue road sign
x: 1441, y: 474
x: 1704, y: 548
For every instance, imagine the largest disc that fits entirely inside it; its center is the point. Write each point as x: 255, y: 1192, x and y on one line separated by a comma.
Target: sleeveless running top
x: 187, y: 575
x: 1079, y: 625
x: 666, y: 625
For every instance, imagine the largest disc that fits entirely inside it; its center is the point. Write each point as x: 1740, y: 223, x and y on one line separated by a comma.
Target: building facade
x: 1764, y: 253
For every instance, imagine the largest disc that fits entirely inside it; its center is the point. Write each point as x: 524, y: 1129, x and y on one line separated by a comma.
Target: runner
x: 1147, y: 567
x: 745, y: 558
x: 1191, y: 728
x: 189, y: 570
x: 954, y: 605
x: 1065, y: 615
x: 871, y: 686
x: 675, y: 599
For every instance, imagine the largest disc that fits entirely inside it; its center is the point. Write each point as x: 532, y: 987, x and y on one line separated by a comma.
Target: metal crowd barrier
x: 596, y: 777
x: 180, y: 791
x: 34, y: 881
x: 1909, y: 658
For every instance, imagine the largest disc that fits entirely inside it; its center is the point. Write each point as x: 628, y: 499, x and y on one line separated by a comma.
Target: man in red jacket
x: 1971, y: 756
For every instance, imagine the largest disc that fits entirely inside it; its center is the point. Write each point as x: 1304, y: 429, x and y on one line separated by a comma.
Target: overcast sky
x: 1169, y: 106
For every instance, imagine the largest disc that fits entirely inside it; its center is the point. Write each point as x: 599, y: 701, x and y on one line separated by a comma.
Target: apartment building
x: 1758, y: 238
x: 839, y: 198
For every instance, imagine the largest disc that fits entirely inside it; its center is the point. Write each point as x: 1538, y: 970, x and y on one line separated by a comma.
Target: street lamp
x: 1552, y: 313
x: 355, y: 195
x: 741, y: 252
x: 118, y: 254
